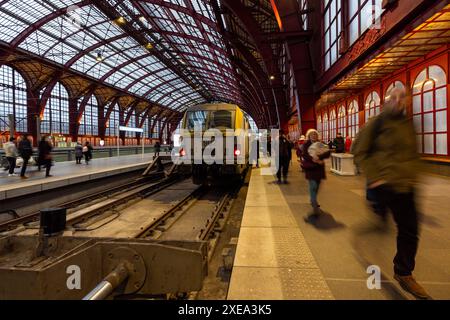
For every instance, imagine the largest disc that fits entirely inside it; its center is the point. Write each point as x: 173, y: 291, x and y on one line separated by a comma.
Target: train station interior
x: 342, y: 102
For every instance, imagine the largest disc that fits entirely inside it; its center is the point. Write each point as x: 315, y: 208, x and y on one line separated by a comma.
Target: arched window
x: 396, y: 84
x: 56, y: 112
x: 373, y: 105
x: 430, y: 110
x: 89, y: 120
x: 353, y: 120
x: 326, y: 133
x: 319, y: 125
x: 332, y: 124
x: 113, y: 122
x: 13, y: 99
x: 131, y: 124
x: 342, y: 123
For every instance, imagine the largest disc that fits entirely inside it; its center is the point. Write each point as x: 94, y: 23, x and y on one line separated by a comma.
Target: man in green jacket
x: 386, y: 152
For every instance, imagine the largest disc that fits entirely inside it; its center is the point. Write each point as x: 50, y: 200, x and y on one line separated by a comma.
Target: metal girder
x: 47, y: 92
x: 300, y: 56
x: 46, y: 19
x: 84, y: 102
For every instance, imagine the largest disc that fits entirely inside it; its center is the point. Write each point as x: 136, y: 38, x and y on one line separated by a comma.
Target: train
x: 233, y: 124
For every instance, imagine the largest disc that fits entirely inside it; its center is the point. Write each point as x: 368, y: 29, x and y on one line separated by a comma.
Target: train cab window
x: 196, y: 119
x: 221, y: 119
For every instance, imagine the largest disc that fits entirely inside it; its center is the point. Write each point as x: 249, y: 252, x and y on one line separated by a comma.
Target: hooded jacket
x: 386, y: 149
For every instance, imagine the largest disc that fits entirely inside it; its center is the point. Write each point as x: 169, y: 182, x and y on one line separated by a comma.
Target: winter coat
x: 386, y: 149
x: 313, y: 170
x: 10, y: 150
x: 339, y: 144
x: 79, y: 151
x: 45, y: 149
x: 25, y: 149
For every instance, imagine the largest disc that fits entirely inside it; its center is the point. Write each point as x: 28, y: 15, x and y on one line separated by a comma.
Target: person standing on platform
x: 78, y: 153
x: 386, y: 151
x: 11, y: 155
x: 339, y: 143
x: 157, y: 149
x: 45, y: 155
x: 314, y: 167
x: 87, y: 152
x: 25, y: 151
x: 285, y: 155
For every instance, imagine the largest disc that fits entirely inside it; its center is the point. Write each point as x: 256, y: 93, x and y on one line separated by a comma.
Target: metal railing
x: 68, y: 154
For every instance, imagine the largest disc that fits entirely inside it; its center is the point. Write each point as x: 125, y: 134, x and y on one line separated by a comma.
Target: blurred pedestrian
x: 313, y: 154
x: 45, y: 157
x: 284, y: 156
x: 87, y: 152
x: 386, y: 151
x: 25, y: 152
x: 157, y: 149
x: 339, y: 143
x: 11, y: 154
x: 78, y: 153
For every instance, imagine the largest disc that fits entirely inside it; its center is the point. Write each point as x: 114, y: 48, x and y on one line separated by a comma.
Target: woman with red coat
x: 314, y: 168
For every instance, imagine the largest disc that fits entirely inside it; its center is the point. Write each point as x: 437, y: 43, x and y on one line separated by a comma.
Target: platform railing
x: 68, y: 154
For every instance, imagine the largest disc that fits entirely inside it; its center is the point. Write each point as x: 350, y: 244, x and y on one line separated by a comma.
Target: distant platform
x: 68, y: 173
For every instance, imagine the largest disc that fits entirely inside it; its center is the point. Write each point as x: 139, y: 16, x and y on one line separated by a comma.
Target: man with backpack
x: 386, y: 151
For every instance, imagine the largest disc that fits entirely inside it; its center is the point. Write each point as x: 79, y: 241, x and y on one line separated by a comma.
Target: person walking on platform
x: 25, y: 151
x: 11, y: 155
x: 157, y: 149
x: 284, y: 156
x: 87, y: 152
x: 339, y: 143
x: 313, y: 154
x: 45, y: 156
x: 78, y: 153
x: 385, y: 149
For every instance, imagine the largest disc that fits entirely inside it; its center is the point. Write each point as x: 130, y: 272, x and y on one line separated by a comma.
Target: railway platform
x: 281, y: 256
x: 69, y: 173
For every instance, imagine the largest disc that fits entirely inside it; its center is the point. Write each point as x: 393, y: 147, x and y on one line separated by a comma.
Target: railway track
x: 97, y: 202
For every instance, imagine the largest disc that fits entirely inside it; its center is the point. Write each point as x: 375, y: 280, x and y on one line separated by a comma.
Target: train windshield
x: 220, y: 119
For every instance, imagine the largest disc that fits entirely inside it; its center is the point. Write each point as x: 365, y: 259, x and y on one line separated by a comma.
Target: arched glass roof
x: 168, y: 52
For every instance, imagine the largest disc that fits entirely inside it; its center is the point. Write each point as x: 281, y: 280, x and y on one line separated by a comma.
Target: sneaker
x: 10, y: 175
x: 410, y: 284
x: 14, y: 174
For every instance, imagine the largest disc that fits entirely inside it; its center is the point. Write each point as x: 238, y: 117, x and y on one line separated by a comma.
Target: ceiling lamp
x: 272, y: 77
x: 149, y: 46
x: 120, y: 20
x: 99, y: 57
x: 142, y: 19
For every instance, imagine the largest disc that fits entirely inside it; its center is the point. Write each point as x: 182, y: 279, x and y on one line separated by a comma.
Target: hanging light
x: 142, y: 19
x: 99, y: 57
x: 272, y: 77
x: 149, y: 46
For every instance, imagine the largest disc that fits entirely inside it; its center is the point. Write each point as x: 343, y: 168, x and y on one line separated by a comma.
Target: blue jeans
x: 313, y: 191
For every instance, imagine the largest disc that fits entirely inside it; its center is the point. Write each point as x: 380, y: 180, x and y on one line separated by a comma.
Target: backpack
x: 85, y: 149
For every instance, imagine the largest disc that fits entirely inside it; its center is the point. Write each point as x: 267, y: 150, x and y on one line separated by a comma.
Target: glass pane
x: 352, y: 7
x: 326, y: 19
x: 429, y: 144
x: 429, y: 85
x: 441, y: 121
x: 438, y: 75
x: 354, y: 33
x: 428, y: 122
x: 441, y: 98
x: 417, y: 104
x: 418, y: 123
x: 441, y: 144
x: 419, y: 81
x: 366, y: 16
x: 428, y: 101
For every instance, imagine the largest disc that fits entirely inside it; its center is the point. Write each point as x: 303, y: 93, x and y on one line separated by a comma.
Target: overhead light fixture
x: 272, y: 77
x: 182, y: 62
x: 99, y: 57
x: 149, y: 46
x: 142, y: 19
x: 120, y: 20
